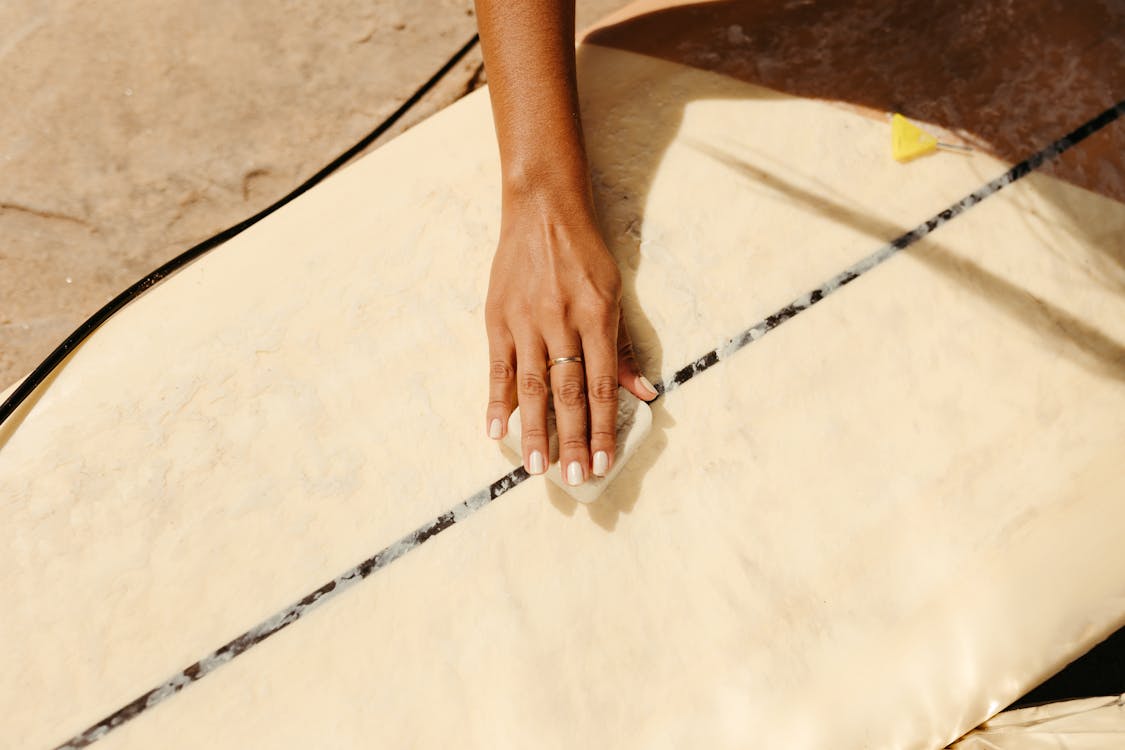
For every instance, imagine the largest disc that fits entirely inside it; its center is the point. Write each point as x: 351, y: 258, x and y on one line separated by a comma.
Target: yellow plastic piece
x: 908, y: 141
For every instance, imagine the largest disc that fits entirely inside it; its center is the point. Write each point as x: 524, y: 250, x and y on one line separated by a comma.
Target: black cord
x: 55, y: 358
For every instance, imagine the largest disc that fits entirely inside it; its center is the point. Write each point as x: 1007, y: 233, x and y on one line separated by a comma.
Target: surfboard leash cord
x: 95, y: 321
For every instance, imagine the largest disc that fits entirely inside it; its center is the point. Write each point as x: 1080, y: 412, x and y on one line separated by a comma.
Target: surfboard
x: 880, y: 498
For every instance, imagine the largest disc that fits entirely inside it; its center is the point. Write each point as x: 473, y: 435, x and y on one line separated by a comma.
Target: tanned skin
x: 555, y: 290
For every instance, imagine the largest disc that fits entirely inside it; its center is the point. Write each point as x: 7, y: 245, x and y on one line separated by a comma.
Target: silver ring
x: 562, y: 360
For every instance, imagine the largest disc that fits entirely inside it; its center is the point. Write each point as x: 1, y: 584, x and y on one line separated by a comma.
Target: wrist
x: 548, y: 188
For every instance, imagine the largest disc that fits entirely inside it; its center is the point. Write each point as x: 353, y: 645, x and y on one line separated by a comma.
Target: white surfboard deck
x: 873, y: 527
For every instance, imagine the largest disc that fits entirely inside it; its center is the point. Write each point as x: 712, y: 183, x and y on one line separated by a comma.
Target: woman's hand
x: 555, y: 291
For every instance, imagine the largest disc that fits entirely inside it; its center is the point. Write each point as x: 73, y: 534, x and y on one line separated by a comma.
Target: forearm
x: 529, y: 53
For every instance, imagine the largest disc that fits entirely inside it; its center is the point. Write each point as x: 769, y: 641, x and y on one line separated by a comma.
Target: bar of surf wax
x: 634, y: 420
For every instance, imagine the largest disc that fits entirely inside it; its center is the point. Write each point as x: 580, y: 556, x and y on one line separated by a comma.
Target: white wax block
x: 634, y: 419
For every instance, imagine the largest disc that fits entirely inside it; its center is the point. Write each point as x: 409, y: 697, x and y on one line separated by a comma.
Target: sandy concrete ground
x: 131, y: 130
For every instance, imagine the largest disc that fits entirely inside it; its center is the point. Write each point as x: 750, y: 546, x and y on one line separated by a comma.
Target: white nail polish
x: 648, y: 386
x: 574, y: 474
x: 495, y: 429
x: 535, y: 463
x: 601, y: 463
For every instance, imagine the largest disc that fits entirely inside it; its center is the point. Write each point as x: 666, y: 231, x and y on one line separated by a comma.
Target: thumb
x: 628, y: 372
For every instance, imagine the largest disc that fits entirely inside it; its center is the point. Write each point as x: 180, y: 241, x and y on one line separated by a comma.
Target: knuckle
x: 534, y: 434
x: 497, y: 405
x: 603, y: 389
x: 501, y: 371
x: 572, y: 444
x: 532, y: 385
x: 570, y: 393
x: 602, y: 436
x: 604, y: 309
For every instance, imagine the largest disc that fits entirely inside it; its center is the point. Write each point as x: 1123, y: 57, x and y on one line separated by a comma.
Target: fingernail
x: 574, y: 474
x: 601, y: 463
x: 494, y: 429
x: 535, y: 463
x: 647, y: 386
